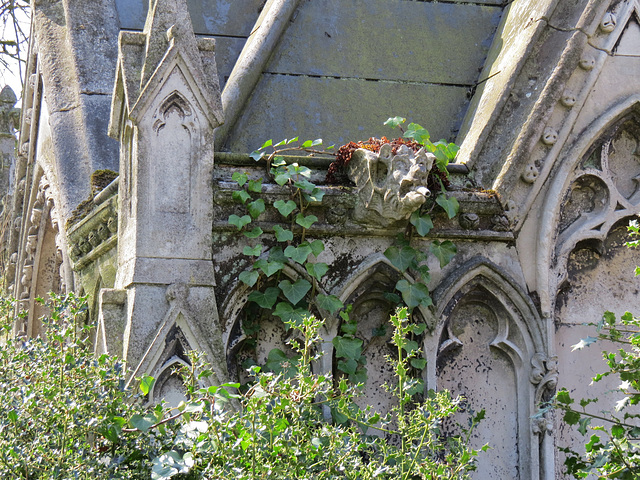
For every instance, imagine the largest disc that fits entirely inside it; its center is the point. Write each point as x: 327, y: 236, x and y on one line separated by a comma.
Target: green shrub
x: 66, y: 414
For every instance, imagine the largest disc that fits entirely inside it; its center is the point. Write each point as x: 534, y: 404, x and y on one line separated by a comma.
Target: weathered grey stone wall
x: 341, y: 68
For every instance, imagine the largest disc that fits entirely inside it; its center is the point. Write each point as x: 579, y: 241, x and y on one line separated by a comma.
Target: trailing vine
x: 292, y: 299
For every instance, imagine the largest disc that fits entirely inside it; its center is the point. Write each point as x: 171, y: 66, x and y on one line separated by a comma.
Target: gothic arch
x: 237, y: 308
x: 39, y: 264
x: 484, y: 346
x: 572, y: 172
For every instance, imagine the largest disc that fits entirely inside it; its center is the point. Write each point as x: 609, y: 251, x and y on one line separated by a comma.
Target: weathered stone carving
x: 544, y: 374
x: 469, y: 221
x: 390, y: 186
x: 549, y: 136
x: 568, y: 99
x: 608, y: 23
x: 9, y: 116
x: 530, y: 173
x: 500, y: 223
x: 587, y: 63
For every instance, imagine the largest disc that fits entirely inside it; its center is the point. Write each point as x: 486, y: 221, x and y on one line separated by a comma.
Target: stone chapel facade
x: 165, y: 99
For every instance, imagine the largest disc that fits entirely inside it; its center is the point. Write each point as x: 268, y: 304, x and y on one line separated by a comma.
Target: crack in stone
x: 382, y: 80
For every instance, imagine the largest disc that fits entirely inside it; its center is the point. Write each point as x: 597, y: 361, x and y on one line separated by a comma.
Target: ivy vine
x: 291, y: 299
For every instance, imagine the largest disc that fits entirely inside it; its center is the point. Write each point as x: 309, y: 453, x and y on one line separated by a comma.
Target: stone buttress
x: 166, y: 105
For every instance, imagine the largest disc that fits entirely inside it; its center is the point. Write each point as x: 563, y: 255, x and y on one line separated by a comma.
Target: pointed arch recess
x: 496, y: 305
x: 546, y: 272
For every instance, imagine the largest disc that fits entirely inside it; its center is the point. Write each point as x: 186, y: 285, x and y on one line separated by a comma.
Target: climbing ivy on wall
x: 291, y: 300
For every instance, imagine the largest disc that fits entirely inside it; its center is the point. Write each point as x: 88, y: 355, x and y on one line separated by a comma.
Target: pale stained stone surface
x: 600, y: 278
x: 577, y: 368
x: 486, y: 377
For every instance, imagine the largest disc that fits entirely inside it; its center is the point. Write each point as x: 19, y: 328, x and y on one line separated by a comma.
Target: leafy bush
x: 67, y: 414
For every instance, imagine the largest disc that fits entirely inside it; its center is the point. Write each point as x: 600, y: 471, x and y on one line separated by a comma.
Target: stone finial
x: 146, y: 60
x: 8, y: 115
x: 390, y: 185
x: 167, y: 21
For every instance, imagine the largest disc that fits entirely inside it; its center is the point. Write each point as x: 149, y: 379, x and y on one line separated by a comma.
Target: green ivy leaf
x: 349, y: 328
x: 142, y: 423
x: 419, y: 328
x: 305, y: 185
x: 306, y: 221
x: 423, y: 270
x: 239, y: 222
x: 393, y: 122
x: 348, y: 366
x: 444, y: 251
x: 240, y: 196
x: 278, y: 362
x: 249, y: 277
x: 295, y: 169
x: 339, y: 417
x: 288, y: 314
x: 240, y: 178
x: 146, y: 383
x: 252, y: 251
x: 401, y: 258
x: 277, y: 255
x: 414, y: 294
x: 417, y: 133
x: 317, y: 247
x: 422, y: 223
x: 282, y: 235
x: 347, y: 347
x: 294, y: 292
x: 584, y: 423
x: 255, y: 186
x: 410, y: 345
x: 256, y: 208
x: 331, y: 303
x: 317, y: 270
x: 266, y: 299
x: 316, y: 195
x: 418, y: 363
x: 298, y: 254
x: 282, y: 177
x: 253, y: 233
x: 450, y: 205
x: 257, y: 155
x: 268, y: 267
x: 285, y: 208
x: 360, y: 377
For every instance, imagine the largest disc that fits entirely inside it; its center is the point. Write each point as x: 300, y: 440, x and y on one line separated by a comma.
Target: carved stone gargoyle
x: 390, y: 186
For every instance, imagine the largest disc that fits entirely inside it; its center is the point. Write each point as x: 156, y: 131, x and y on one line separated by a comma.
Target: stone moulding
x: 95, y: 234
x: 339, y: 214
